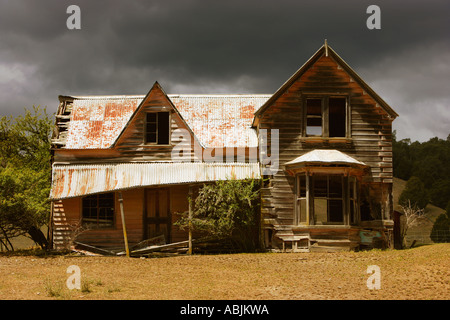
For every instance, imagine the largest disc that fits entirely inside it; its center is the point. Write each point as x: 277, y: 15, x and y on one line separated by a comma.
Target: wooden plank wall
x: 371, y: 135
x: 67, y: 215
x: 179, y: 204
x: 65, y: 220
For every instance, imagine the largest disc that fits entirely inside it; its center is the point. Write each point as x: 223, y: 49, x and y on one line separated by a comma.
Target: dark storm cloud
x: 199, y: 46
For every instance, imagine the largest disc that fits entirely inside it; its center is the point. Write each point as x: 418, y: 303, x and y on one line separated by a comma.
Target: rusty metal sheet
x: 216, y: 120
x: 221, y: 120
x: 97, y: 121
x: 79, y: 180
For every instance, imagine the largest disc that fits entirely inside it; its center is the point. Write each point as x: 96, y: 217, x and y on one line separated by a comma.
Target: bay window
x: 325, y: 199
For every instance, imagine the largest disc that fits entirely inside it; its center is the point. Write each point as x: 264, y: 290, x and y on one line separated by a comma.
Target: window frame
x: 96, y: 225
x: 325, y: 115
x: 299, y: 197
x: 349, y: 196
x: 169, y: 133
x: 328, y: 198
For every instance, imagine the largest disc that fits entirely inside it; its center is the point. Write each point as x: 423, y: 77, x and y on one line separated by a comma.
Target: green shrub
x: 415, y: 193
x: 227, y: 210
x: 441, y: 229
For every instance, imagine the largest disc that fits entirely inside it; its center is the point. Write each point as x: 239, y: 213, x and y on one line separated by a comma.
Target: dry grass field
x: 421, y: 273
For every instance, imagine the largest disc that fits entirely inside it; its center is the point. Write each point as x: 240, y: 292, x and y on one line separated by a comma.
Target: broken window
x: 326, y: 117
x: 98, y: 210
x: 157, y: 128
x: 314, y: 117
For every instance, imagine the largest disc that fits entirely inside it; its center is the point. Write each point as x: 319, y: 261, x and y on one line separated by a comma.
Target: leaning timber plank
x: 93, y: 249
x: 156, y: 241
x: 155, y: 248
x: 86, y: 253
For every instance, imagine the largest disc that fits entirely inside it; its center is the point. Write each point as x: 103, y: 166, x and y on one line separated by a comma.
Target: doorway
x: 157, y: 217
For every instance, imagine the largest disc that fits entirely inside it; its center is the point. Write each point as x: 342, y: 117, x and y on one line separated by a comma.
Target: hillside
x: 420, y: 231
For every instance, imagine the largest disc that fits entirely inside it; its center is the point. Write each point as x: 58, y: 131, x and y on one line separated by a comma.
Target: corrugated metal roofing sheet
x: 216, y: 120
x: 96, y: 122
x: 221, y: 120
x: 80, y: 180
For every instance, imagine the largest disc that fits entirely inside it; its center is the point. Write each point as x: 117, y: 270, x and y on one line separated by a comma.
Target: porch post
x: 190, y: 219
x: 309, y: 213
x: 127, y: 250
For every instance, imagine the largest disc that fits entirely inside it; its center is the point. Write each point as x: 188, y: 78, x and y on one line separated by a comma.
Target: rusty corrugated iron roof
x: 221, y: 120
x: 216, y: 120
x: 80, y: 180
x: 95, y: 122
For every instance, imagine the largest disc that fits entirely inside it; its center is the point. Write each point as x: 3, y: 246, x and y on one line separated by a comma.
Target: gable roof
x: 156, y: 87
x: 96, y: 122
x: 325, y: 49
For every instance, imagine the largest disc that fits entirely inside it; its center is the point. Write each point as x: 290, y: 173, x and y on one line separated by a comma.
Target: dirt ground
x: 421, y: 273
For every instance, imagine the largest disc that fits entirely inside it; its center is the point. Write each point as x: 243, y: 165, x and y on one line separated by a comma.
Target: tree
x: 414, y: 193
x: 402, y: 162
x: 441, y: 229
x: 429, y: 161
x: 25, y: 175
x: 440, y: 193
x: 227, y: 210
x: 411, y: 213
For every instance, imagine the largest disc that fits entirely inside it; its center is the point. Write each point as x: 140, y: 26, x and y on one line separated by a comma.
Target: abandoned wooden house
x: 326, y: 133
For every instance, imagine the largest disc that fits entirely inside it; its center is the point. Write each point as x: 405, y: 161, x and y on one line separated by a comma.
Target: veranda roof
x: 79, y: 180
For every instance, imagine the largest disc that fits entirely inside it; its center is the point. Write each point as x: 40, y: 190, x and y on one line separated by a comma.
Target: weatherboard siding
x: 67, y: 215
x: 369, y: 139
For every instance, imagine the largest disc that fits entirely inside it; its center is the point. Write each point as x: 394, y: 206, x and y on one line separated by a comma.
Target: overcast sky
x: 227, y: 46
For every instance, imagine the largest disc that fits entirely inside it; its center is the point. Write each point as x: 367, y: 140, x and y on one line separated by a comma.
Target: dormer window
x: 157, y: 128
x: 326, y: 117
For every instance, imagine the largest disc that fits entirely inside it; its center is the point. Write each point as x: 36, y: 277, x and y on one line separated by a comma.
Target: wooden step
x: 328, y: 249
x: 332, y: 245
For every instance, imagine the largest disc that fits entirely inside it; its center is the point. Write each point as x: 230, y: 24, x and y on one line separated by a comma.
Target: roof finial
x: 326, y: 48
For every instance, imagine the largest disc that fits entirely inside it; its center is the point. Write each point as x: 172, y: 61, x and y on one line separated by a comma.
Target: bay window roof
x: 326, y: 157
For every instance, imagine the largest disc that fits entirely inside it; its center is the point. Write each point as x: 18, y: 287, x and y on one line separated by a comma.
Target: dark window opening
x: 98, y: 210
x: 326, y: 117
x: 365, y: 211
x: 336, y: 118
x: 157, y: 128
